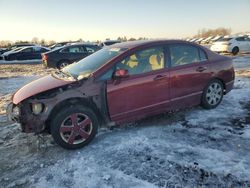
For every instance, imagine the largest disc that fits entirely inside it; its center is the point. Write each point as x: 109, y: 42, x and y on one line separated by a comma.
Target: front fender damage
x: 80, y: 91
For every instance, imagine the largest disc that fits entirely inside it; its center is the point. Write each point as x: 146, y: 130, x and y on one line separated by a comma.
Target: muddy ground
x: 189, y: 148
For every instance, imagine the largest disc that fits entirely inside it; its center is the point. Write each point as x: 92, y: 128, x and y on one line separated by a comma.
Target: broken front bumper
x: 13, y: 112
x: 23, y: 115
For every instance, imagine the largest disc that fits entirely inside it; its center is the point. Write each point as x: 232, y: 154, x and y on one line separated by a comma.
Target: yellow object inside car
x: 157, y: 62
x: 132, y: 62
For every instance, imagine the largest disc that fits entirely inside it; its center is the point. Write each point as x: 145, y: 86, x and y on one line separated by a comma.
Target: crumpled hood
x: 40, y: 85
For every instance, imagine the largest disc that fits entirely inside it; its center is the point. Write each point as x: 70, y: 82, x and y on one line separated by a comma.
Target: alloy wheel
x: 214, y: 94
x: 76, y: 128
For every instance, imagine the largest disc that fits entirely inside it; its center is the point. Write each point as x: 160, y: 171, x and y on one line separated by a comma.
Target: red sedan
x: 121, y: 83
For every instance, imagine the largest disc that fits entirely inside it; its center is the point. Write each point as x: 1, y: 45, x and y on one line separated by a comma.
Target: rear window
x: 110, y: 42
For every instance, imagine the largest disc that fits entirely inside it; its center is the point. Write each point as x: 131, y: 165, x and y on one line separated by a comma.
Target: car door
x: 76, y: 53
x: 189, y: 74
x: 145, y: 91
x: 37, y: 52
x: 25, y: 54
x: 242, y: 44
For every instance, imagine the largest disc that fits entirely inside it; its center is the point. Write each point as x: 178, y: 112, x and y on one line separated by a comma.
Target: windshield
x: 88, y: 65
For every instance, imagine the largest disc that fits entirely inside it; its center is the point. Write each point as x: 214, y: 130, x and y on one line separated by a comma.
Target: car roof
x: 138, y: 43
x: 82, y: 43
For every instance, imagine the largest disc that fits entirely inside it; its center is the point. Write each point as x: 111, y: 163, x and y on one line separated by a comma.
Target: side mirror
x: 121, y: 73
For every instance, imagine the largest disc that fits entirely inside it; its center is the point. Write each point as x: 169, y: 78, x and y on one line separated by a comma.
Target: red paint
x: 129, y: 98
x: 38, y: 86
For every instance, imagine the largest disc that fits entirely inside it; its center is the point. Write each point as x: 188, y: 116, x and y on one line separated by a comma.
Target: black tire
x: 62, y: 64
x: 58, y: 125
x: 212, y: 94
x: 235, y: 50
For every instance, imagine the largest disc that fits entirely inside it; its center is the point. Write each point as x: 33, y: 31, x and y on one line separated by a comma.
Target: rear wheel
x: 74, y: 127
x: 235, y: 50
x: 62, y: 64
x: 212, y: 95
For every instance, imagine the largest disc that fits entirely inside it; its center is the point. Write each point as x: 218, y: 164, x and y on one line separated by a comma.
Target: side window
x: 37, y: 49
x: 240, y: 39
x: 203, y: 56
x: 26, y: 50
x: 90, y: 49
x: 73, y: 49
x: 183, y: 54
x: 65, y: 50
x: 143, y: 61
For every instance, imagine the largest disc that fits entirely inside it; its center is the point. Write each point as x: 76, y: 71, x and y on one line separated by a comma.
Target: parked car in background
x: 216, y: 38
x: 194, y: 40
x: 108, y: 43
x: 15, y: 46
x: 25, y: 53
x: 9, y: 52
x: 232, y: 45
x: 66, y: 55
x: 207, y: 40
x: 2, y: 50
x: 121, y: 83
x: 58, y: 45
x: 199, y: 40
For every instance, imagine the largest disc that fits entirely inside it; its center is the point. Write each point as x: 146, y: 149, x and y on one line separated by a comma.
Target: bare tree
x: 212, y: 32
x: 35, y: 40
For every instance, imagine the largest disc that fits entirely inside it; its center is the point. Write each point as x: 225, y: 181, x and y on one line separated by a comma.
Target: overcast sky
x: 63, y: 20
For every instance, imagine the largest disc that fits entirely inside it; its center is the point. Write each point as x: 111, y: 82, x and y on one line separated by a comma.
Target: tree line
x: 213, y: 32
x: 43, y: 42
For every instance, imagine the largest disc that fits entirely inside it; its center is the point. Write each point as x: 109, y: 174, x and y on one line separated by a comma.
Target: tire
x: 63, y: 64
x: 74, y: 127
x: 235, y: 50
x: 212, y: 94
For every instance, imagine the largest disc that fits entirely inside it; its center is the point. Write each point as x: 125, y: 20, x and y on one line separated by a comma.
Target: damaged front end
x: 35, y: 112
x: 23, y: 113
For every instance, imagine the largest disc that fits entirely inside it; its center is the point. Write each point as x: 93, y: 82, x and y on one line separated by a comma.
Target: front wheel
x: 212, y: 95
x: 74, y: 127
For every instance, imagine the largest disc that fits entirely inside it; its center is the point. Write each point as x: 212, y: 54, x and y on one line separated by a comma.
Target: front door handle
x: 159, y: 77
x: 201, y: 69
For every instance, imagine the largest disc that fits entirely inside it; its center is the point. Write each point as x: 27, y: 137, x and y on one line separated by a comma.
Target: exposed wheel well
x: 74, y: 101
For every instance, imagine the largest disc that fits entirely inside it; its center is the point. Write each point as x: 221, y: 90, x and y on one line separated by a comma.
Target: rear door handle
x: 159, y: 77
x: 201, y: 69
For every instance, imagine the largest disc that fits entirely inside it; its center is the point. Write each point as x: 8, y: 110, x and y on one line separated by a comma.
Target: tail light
x: 44, y: 57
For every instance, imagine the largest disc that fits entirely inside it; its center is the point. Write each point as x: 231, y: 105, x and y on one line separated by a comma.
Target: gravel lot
x: 189, y: 148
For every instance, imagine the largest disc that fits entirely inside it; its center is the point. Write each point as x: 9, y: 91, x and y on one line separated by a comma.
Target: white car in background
x: 232, y: 45
x: 199, y: 40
